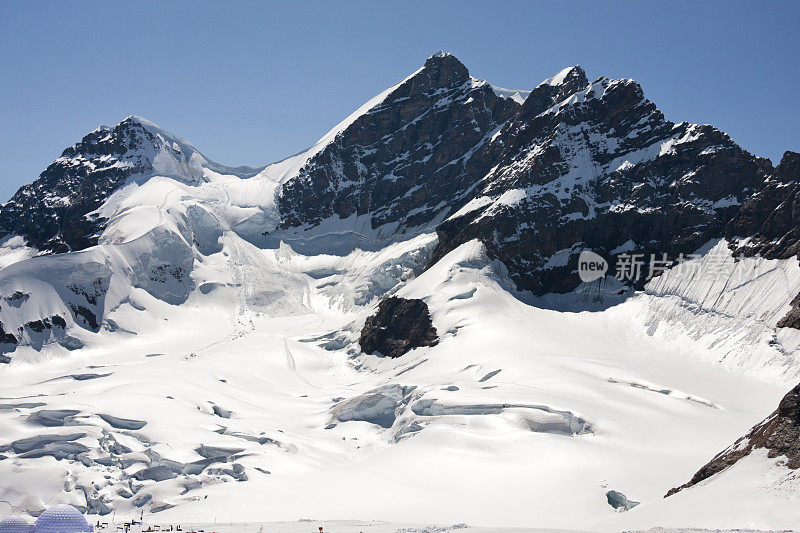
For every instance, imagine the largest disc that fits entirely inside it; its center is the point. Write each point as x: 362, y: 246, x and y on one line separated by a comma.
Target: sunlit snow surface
x: 224, y: 382
x: 307, y: 525
x: 238, y: 392
x: 520, y: 416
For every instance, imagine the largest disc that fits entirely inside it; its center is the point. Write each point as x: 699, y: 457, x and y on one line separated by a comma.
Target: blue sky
x: 252, y: 82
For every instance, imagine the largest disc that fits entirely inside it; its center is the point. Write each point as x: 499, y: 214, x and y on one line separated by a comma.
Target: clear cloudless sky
x: 253, y: 82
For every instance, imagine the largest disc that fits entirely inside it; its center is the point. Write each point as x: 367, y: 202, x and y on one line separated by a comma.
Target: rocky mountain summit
x: 601, y: 169
x: 537, y: 176
x: 388, y: 304
x: 56, y: 213
x: 577, y: 165
x: 409, y: 159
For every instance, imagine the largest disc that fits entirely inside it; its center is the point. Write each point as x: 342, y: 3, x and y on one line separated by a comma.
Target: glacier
x: 199, y: 361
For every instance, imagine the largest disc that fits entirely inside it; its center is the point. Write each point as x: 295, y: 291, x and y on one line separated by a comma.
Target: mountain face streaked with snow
x: 185, y: 338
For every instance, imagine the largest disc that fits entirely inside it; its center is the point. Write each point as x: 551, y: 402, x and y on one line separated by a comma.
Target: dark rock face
x: 17, y: 298
x: 792, y: 318
x: 771, y: 218
x: 7, y: 338
x: 779, y: 433
x: 40, y: 326
x: 398, y: 326
x: 52, y: 213
x: 74, y: 185
x: 594, y: 171
x: 407, y: 159
x: 577, y: 166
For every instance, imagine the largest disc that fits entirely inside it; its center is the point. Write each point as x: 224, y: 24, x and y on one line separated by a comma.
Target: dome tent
x: 15, y: 524
x: 62, y: 519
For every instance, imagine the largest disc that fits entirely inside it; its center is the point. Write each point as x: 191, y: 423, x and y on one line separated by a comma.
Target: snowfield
x: 201, y: 365
x: 247, y: 398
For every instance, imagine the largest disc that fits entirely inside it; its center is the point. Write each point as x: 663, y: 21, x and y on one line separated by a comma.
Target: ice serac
x: 408, y: 160
x: 50, y: 298
x: 213, y: 292
x: 56, y: 212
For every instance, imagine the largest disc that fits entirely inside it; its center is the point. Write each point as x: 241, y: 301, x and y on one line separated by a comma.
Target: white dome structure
x: 15, y: 524
x: 62, y: 519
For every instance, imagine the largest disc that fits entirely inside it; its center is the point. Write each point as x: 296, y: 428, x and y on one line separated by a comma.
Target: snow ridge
x: 178, y: 336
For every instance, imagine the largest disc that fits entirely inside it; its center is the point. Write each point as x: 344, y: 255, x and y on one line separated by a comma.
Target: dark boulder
x: 398, y: 326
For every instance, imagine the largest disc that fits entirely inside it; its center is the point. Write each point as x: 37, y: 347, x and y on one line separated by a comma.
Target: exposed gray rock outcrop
x: 399, y: 325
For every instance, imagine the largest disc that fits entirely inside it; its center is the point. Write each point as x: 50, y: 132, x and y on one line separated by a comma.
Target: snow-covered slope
x: 56, y: 213
x: 182, y: 337
x: 740, y: 303
x: 547, y: 410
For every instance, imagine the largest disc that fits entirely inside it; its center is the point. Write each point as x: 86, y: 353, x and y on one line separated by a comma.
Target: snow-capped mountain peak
x: 54, y: 212
x: 566, y: 75
x: 188, y: 324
